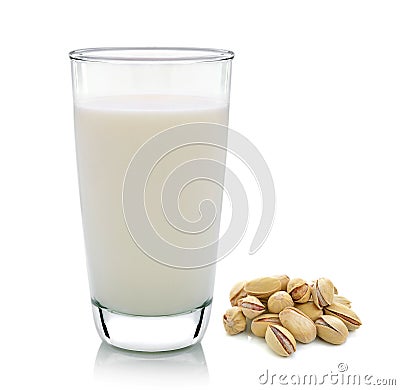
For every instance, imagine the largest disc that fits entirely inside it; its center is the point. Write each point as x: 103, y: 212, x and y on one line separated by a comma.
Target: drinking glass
x: 125, y: 102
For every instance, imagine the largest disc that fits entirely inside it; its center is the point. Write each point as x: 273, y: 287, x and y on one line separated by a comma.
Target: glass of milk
x: 123, y: 99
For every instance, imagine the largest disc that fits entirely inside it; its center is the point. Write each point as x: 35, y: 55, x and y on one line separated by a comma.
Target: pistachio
x: 287, y: 311
x: 345, y: 314
x: 299, y: 324
x: 260, y: 324
x: 234, y: 321
x: 342, y: 300
x: 322, y: 292
x: 284, y: 279
x: 251, y: 306
x: 237, y: 292
x: 278, y: 301
x: 331, y: 329
x: 262, y: 288
x: 299, y: 290
x: 280, y: 340
x: 310, y: 310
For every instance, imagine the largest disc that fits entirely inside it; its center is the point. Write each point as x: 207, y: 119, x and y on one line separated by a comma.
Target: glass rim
x: 150, y: 55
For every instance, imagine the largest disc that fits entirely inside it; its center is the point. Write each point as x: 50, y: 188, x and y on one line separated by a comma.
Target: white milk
x: 108, y: 132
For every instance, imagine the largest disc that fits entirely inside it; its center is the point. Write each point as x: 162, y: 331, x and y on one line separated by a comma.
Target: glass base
x: 151, y: 334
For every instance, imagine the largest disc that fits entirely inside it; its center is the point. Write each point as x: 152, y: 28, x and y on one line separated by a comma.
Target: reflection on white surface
x: 184, y: 368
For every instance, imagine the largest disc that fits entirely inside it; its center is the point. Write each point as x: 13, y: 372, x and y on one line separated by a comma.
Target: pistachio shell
x: 260, y: 324
x: 262, y: 288
x: 342, y: 300
x: 299, y: 324
x: 310, y: 310
x: 331, y: 329
x: 237, y: 292
x: 280, y: 340
x: 323, y: 292
x: 278, y: 301
x: 284, y: 279
x: 299, y: 290
x: 234, y: 321
x: 335, y: 290
x: 294, y: 283
x: 347, y: 315
x: 251, y: 306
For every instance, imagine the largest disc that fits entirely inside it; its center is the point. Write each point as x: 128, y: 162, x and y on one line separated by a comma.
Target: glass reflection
x: 184, y: 368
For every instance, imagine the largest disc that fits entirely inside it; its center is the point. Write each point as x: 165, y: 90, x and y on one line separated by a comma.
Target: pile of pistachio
x: 283, y: 310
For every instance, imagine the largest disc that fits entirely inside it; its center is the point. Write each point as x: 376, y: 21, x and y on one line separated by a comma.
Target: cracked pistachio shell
x: 234, y: 321
x: 260, y: 324
x: 237, y: 292
x: 344, y: 313
x: 310, y: 310
x: 251, y: 306
x: 299, y: 290
x: 331, y: 329
x: 262, y: 288
x: 342, y: 300
x: 284, y: 279
x: 299, y: 324
x: 322, y: 292
x: 278, y: 301
x: 280, y: 340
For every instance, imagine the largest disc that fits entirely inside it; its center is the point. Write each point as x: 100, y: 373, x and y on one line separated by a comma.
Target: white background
x: 316, y: 86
